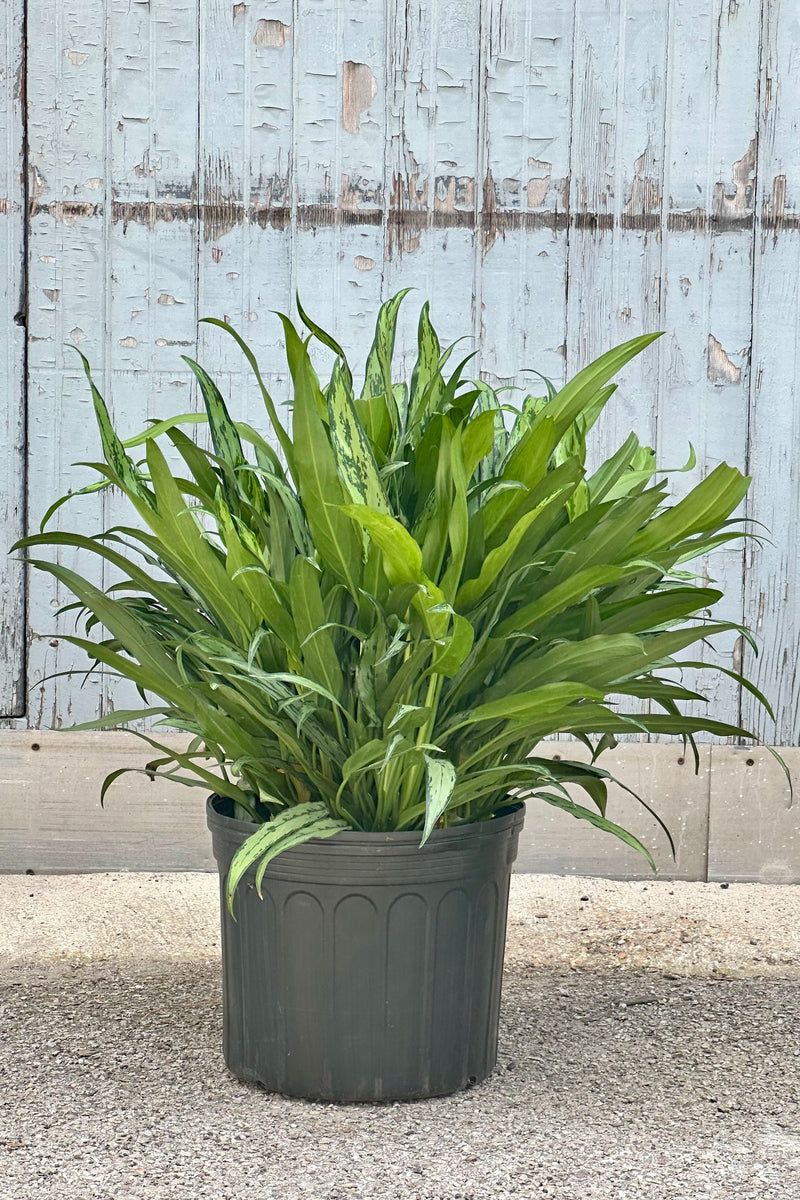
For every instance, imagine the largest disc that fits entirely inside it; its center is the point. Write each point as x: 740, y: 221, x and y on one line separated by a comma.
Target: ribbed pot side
x: 371, y: 970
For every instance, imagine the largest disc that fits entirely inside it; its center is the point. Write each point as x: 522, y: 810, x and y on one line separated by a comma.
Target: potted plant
x: 367, y: 628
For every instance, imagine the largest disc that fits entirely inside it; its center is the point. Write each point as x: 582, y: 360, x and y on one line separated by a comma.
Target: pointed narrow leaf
x: 354, y: 456
x: 289, y: 828
x: 440, y: 779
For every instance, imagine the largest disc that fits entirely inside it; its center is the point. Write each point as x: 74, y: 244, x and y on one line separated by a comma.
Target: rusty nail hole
x: 556, y: 758
x: 54, y: 642
x: 751, y: 762
x: 30, y: 871
x: 34, y: 746
x: 681, y: 761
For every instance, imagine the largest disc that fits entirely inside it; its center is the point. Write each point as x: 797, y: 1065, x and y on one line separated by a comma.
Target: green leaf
x: 455, y: 647
x: 402, y: 561
x: 477, y: 440
x: 440, y: 779
x: 322, y: 336
x: 182, y: 544
x: 223, y: 431
x: 317, y: 477
x: 354, y: 457
x: 580, y: 392
x: 706, y: 506
x: 582, y: 584
x: 424, y: 394
x: 473, y: 590
x: 377, y: 407
x: 318, y: 651
x: 526, y: 464
x: 288, y: 829
x: 599, y: 822
x: 280, y: 432
x: 126, y: 475
x: 531, y: 705
x: 378, y: 374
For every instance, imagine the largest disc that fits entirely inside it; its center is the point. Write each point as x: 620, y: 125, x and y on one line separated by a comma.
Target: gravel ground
x: 649, y: 1051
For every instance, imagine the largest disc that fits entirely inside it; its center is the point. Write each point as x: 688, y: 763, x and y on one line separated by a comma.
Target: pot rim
x: 510, y: 814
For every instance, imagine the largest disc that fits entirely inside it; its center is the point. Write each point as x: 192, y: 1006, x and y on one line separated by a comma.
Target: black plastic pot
x: 371, y: 970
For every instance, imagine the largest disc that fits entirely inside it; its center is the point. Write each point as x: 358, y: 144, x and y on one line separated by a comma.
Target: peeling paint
x: 740, y: 201
x: 362, y: 263
x: 357, y: 194
x: 359, y: 88
x: 216, y: 254
x: 721, y: 370
x: 488, y: 224
x: 53, y: 294
x: 129, y: 343
x: 143, y: 170
x: 359, y: 203
x: 645, y: 194
x: 538, y: 185
x: 270, y: 33
x: 536, y: 192
x: 77, y: 57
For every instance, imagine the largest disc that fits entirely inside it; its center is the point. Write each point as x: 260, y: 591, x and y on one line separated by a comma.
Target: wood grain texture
x: 12, y: 340
x: 433, y: 166
x: 614, y: 267
x: 67, y: 308
x: 521, y: 283
x: 730, y: 822
x: 556, y: 180
x: 772, y: 595
x: 708, y: 270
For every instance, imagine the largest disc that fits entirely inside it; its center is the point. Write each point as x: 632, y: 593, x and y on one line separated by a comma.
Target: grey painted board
x: 12, y: 348
x: 754, y: 828
x: 52, y: 817
x: 665, y: 778
x: 731, y: 821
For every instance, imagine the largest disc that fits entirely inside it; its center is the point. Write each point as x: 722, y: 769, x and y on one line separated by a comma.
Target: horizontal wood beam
x: 730, y: 821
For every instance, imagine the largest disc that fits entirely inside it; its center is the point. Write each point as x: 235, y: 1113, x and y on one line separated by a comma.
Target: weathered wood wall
x: 556, y: 178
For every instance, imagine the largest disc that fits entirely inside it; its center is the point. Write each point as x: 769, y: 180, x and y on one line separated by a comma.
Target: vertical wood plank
x: 246, y: 130
x: 67, y: 247
x: 12, y: 316
x: 708, y: 248
x: 151, y: 229
x: 432, y: 172
x: 522, y: 275
x: 614, y: 263
x: 616, y: 169
x: 339, y: 149
x: 772, y: 581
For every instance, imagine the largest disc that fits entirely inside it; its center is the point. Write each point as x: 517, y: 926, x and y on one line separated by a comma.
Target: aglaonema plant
x: 373, y: 620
